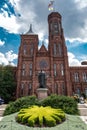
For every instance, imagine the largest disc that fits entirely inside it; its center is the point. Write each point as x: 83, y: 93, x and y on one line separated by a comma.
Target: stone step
x: 82, y: 105
x: 83, y: 109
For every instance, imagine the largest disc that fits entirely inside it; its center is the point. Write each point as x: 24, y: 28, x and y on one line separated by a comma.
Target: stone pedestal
x: 42, y: 93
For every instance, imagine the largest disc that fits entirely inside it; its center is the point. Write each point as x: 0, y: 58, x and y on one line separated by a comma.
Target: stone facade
x: 60, y: 78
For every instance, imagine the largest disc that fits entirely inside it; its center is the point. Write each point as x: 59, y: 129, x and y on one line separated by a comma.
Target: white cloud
x: 73, y: 61
x: 7, y: 58
x: 10, y: 56
x: 74, y: 18
x: 5, y: 5
x: 76, y: 40
x: 83, y: 58
x: 81, y: 3
x: 9, y: 23
x: 3, y: 60
x: 2, y: 43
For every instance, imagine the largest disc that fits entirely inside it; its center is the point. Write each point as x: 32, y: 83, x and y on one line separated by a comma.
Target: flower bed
x: 40, y: 116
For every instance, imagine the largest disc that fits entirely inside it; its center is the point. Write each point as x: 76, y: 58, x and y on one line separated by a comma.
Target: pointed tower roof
x: 43, y: 48
x: 30, y: 30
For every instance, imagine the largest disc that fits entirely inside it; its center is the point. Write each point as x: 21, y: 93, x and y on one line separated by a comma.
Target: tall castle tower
x: 58, y: 55
x: 54, y: 61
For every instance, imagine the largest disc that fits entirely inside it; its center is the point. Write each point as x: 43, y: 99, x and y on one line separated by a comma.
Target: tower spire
x: 30, y: 30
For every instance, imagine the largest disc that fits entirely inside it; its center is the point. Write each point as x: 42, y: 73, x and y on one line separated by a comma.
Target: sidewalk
x: 1, y: 118
x: 2, y: 108
x: 83, y: 112
x: 84, y: 119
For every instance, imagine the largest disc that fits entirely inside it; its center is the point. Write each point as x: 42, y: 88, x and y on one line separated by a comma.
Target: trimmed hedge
x: 40, y: 116
x: 67, y: 104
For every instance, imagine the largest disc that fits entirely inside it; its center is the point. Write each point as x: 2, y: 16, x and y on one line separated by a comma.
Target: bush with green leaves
x: 67, y: 104
x: 20, y: 103
x: 40, y: 116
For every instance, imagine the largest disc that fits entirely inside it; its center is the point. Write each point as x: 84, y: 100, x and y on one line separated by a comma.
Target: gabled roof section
x: 43, y: 48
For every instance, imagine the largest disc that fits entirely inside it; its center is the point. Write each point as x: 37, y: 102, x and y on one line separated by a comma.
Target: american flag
x: 50, y: 5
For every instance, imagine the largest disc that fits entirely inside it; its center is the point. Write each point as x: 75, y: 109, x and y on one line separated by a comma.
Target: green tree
x: 7, y: 82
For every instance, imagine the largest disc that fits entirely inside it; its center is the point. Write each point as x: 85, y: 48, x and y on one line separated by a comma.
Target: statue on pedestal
x: 42, y: 79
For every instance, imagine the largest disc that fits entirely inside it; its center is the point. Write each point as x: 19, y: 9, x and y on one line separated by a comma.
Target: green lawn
x: 71, y: 123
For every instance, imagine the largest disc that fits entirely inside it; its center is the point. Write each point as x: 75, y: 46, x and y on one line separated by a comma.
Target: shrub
x: 67, y: 104
x: 20, y: 103
x: 40, y: 116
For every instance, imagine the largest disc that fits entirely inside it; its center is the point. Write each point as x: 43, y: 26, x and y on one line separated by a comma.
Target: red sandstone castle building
x: 61, y: 79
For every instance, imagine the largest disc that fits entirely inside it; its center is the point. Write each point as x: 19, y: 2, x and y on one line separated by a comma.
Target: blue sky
x: 17, y: 15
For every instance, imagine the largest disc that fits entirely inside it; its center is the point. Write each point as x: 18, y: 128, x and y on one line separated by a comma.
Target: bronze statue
x: 42, y: 79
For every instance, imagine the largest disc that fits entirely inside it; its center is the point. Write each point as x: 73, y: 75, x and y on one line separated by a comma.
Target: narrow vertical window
x: 76, y: 77
x: 56, y: 28
x: 23, y: 72
x: 59, y: 49
x: 25, y: 50
x: 63, y: 89
x: 30, y: 69
x: 84, y: 76
x: 31, y: 66
x: 60, y: 27
x: 29, y: 88
x: 51, y: 26
x: 31, y: 50
x: 78, y: 91
x: 56, y: 88
x: 23, y: 67
x: 55, y: 68
x: 22, y: 88
x: 62, y: 69
x: 54, y: 49
x: 86, y: 92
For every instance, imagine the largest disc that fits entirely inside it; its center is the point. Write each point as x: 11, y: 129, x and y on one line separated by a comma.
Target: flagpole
x: 54, y: 6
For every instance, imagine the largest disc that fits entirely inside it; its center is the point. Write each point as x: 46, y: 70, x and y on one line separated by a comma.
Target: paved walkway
x: 2, y: 108
x: 84, y: 118
x: 83, y: 112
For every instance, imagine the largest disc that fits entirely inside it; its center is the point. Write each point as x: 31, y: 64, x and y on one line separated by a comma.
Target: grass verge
x: 72, y: 123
